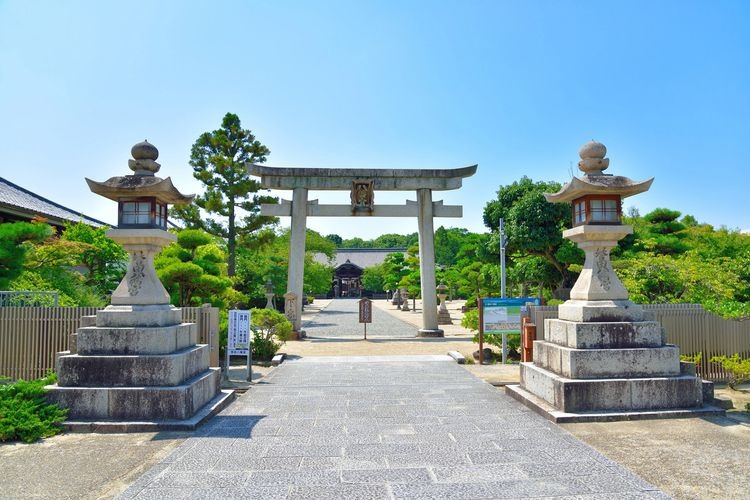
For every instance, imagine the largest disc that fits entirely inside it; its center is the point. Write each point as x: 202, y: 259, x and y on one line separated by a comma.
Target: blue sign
x: 504, y: 315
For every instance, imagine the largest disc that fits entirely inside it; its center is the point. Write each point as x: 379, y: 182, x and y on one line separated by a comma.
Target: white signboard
x: 239, y: 339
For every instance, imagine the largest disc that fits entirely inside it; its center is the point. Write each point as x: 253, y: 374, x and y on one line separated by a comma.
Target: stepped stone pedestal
x: 602, y: 359
x: 138, y: 369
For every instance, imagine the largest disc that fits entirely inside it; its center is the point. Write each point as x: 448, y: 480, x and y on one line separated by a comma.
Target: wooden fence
x: 688, y: 326
x: 30, y: 336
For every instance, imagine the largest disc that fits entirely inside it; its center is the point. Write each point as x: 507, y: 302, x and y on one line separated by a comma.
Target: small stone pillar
x: 405, y: 300
x: 291, y: 313
x: 444, y: 317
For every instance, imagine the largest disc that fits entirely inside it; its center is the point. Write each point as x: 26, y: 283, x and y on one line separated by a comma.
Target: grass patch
x: 25, y: 415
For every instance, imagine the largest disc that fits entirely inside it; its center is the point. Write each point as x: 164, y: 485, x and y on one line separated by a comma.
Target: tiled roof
x: 17, y: 200
x: 362, y: 257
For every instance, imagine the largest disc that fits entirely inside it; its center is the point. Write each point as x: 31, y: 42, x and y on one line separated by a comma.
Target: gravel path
x: 340, y: 319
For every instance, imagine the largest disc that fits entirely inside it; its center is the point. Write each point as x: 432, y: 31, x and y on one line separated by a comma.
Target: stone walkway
x: 340, y: 319
x: 385, y: 427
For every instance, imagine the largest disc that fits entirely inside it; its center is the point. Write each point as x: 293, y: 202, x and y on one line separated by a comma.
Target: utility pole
x: 502, y: 260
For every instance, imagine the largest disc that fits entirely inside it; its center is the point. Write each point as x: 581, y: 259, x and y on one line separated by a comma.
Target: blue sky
x: 516, y: 87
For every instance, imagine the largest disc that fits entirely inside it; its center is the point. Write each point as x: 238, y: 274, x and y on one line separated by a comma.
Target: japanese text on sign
x: 238, y: 341
x: 365, y: 310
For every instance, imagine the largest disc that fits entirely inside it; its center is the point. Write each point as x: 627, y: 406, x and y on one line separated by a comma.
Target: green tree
x: 193, y: 270
x: 532, y: 225
x: 270, y: 260
x: 16, y: 240
x: 105, y: 260
x: 373, y: 278
x: 219, y: 161
x: 335, y: 239
x: 395, y: 269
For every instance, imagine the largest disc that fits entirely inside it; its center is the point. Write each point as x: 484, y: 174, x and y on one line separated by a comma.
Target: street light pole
x: 502, y: 260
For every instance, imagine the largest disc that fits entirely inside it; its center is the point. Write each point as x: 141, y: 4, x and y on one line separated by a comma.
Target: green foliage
x: 270, y: 330
x: 394, y: 268
x: 24, y: 413
x: 51, y: 265
x: 219, y: 161
x: 193, y: 271
x: 738, y: 368
x: 373, y: 278
x: 692, y: 358
x: 383, y: 241
x: 105, y: 260
x: 532, y: 225
x: 270, y: 260
x: 470, y: 321
x: 16, y: 239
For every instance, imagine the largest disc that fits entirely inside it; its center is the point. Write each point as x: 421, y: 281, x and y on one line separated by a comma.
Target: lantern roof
x: 594, y: 181
x: 143, y: 182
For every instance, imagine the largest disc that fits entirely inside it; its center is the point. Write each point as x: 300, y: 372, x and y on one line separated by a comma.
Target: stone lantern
x: 603, y: 358
x: 444, y: 317
x: 142, y: 200
x: 137, y: 365
x: 597, y: 223
x: 405, y: 300
x: 269, y: 294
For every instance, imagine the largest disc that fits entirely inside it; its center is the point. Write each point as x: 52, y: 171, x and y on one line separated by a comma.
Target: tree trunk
x: 231, y: 242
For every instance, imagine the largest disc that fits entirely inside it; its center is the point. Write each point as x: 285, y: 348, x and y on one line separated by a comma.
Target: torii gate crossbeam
x: 363, y: 184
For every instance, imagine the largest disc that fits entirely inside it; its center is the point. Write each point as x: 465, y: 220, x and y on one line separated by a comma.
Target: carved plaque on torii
x: 362, y: 195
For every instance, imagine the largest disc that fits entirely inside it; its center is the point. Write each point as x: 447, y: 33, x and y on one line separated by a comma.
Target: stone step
x: 129, y: 370
x: 138, y: 403
x: 154, y: 315
x: 97, y: 340
x: 627, y: 394
x: 88, y: 321
x: 607, y: 363
x: 607, y: 335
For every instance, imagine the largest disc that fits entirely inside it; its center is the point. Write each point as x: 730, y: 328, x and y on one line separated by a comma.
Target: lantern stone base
x: 609, y: 370
x: 444, y: 317
x: 138, y: 369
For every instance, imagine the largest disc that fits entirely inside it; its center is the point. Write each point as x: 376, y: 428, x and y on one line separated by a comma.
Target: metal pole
x: 502, y: 285
x: 481, y: 331
x: 502, y: 260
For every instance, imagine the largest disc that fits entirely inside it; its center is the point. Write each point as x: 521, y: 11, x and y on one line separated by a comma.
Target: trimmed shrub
x: 25, y: 415
x: 270, y: 330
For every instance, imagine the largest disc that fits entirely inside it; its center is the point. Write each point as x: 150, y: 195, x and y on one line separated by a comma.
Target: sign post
x: 239, y: 341
x: 502, y: 316
x: 365, y: 312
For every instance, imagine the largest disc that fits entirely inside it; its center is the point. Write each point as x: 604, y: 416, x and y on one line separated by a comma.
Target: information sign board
x: 239, y: 339
x: 365, y: 310
x: 504, y: 315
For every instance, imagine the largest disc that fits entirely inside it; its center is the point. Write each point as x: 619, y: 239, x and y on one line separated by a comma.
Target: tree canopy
x: 219, y: 161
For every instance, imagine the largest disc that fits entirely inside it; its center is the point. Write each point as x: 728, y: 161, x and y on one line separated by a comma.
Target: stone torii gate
x: 362, y: 185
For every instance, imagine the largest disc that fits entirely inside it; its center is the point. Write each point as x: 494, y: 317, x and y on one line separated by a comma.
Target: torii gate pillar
x: 427, y: 265
x: 296, y: 272
x: 362, y: 184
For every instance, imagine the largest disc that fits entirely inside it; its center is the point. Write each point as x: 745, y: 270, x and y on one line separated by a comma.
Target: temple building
x: 19, y: 204
x: 349, y: 263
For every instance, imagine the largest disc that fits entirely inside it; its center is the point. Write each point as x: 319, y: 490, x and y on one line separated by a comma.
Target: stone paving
x: 384, y: 427
x: 340, y: 319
